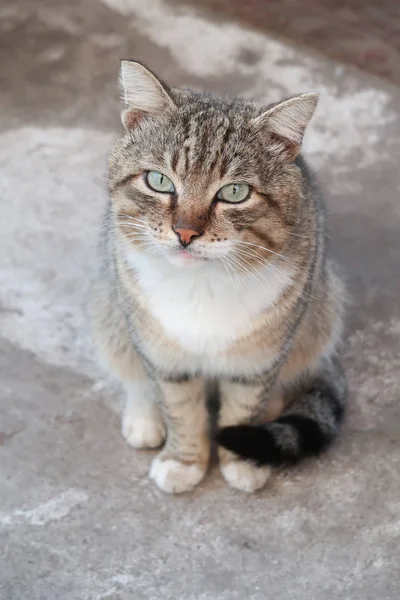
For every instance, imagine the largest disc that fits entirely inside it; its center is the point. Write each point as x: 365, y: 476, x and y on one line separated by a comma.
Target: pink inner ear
x: 132, y: 118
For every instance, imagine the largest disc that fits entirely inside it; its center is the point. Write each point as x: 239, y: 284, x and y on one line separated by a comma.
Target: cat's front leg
x: 183, y: 461
x: 241, y: 402
x: 142, y: 423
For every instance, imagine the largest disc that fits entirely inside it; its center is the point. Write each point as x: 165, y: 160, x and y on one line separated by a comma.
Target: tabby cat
x: 214, y: 267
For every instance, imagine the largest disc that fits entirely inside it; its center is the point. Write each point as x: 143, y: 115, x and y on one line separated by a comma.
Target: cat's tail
x: 310, y: 423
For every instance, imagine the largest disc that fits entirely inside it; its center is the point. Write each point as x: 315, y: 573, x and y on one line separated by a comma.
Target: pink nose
x: 186, y: 235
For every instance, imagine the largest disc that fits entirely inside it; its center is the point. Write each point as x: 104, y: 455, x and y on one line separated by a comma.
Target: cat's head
x: 199, y: 178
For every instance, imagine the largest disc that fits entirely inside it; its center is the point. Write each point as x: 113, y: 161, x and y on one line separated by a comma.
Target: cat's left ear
x: 287, y: 120
x: 143, y: 94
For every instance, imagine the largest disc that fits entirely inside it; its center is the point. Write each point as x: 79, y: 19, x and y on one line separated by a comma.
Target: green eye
x: 234, y: 192
x: 159, y: 182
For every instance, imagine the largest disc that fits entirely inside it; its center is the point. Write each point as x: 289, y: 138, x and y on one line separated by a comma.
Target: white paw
x: 143, y: 431
x: 175, y: 477
x: 244, y: 475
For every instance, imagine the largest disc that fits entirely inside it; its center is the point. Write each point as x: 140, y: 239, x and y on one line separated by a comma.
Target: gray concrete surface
x: 78, y: 517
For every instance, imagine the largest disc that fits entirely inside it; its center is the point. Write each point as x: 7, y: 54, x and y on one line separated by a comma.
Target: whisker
x: 225, y: 264
x: 127, y: 219
x: 141, y: 240
x: 237, y: 275
x: 114, y: 226
x: 234, y: 269
x: 149, y: 249
x: 281, y: 256
x: 135, y: 231
x: 299, y: 235
x: 257, y: 275
x: 244, y: 269
x: 133, y: 225
x: 130, y: 217
x: 274, y: 268
x: 254, y: 255
x: 264, y: 263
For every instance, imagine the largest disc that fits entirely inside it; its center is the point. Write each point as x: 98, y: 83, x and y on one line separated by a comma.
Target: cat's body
x: 194, y: 286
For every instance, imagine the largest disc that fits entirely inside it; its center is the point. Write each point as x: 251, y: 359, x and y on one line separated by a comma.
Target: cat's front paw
x: 143, y: 430
x: 175, y: 477
x: 245, y: 476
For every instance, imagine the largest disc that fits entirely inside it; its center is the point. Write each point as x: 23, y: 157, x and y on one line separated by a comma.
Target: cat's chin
x: 185, y: 259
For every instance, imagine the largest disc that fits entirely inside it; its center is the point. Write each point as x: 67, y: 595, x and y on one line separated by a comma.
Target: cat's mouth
x: 183, y: 257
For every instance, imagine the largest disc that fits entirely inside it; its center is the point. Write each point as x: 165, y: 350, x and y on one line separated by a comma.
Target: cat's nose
x: 186, y: 235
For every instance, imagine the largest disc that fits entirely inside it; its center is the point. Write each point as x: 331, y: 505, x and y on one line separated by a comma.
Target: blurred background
x: 63, y: 54
x: 78, y: 517
x: 359, y: 32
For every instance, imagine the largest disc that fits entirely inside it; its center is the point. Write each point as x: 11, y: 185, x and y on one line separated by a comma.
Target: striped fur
x: 307, y: 427
x: 254, y: 302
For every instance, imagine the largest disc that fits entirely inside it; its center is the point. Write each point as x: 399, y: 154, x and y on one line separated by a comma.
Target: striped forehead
x: 204, y: 145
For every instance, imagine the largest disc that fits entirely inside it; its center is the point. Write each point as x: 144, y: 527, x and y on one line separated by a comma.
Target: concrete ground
x: 364, y: 33
x: 78, y: 517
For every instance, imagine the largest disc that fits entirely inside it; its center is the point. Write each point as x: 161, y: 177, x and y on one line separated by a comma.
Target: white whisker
x: 263, y: 262
x: 129, y: 225
x: 281, y: 256
x: 257, y: 275
x: 273, y: 267
x: 225, y: 264
x: 244, y: 269
x: 234, y: 271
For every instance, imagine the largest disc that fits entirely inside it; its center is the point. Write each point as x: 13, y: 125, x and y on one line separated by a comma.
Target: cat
x: 214, y: 267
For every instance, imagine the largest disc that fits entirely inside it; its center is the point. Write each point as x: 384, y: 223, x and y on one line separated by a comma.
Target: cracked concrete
x: 78, y: 517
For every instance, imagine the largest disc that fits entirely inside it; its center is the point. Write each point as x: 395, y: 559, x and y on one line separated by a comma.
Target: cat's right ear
x: 142, y: 94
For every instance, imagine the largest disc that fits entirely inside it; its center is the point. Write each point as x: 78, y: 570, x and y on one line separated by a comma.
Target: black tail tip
x: 247, y: 441
x: 268, y: 445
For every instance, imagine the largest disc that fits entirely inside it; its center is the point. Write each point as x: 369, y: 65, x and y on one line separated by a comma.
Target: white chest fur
x: 204, y: 309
